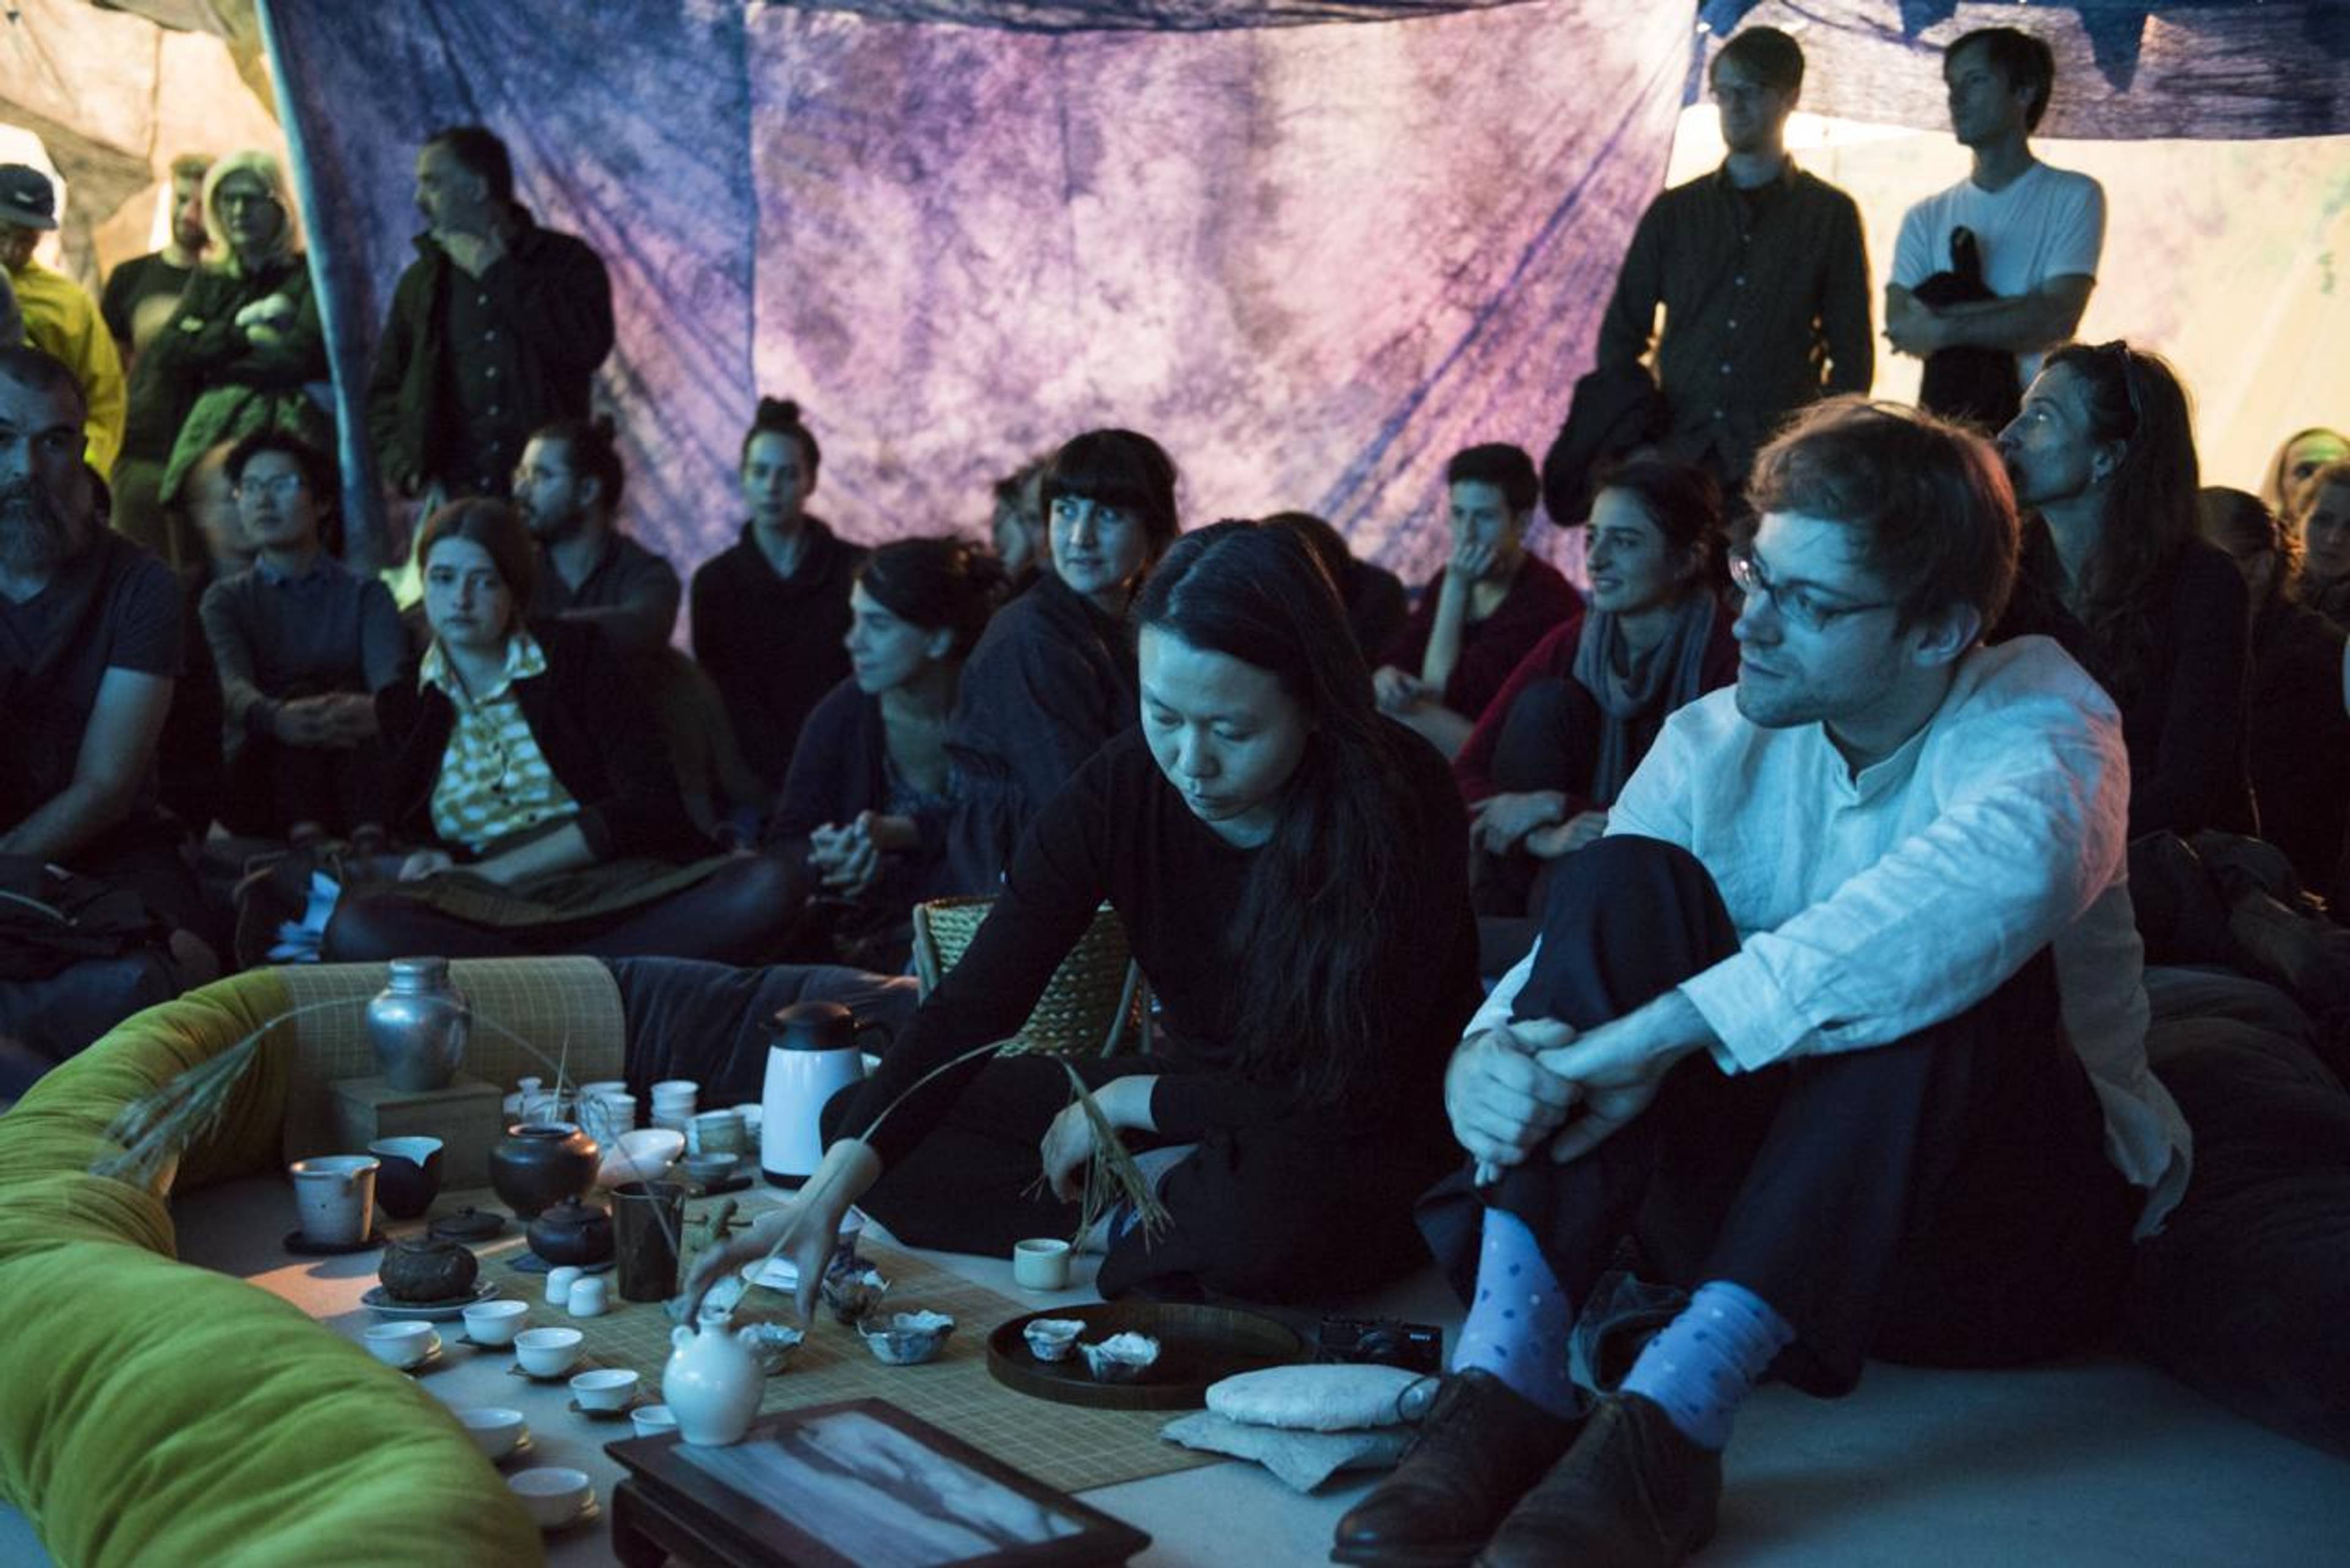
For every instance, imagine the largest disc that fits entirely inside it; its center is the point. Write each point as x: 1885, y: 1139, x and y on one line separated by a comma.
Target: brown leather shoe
x: 1633, y: 1493
x: 1480, y: 1447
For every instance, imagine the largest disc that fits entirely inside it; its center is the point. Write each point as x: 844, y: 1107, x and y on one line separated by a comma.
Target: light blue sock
x: 1517, y: 1325
x: 1703, y: 1363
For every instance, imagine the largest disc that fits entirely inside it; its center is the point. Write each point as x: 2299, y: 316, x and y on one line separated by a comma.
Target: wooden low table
x: 834, y: 1486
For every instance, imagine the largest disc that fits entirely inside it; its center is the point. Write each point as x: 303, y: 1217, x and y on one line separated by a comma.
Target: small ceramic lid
x: 468, y: 1224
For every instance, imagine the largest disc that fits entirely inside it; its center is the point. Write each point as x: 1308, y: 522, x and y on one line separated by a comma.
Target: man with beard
x: 567, y: 487
x: 1761, y: 269
x: 141, y: 292
x: 1842, y: 1022
x: 497, y: 327
x: 89, y: 651
x: 60, y: 317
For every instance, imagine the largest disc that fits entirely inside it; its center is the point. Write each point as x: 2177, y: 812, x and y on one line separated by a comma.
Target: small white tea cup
x: 401, y: 1344
x: 1041, y: 1264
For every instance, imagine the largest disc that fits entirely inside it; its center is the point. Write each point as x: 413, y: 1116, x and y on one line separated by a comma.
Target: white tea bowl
x: 401, y: 1344
x: 547, y: 1352
x: 606, y: 1388
x: 495, y: 1323
x: 496, y: 1431
x: 553, y: 1495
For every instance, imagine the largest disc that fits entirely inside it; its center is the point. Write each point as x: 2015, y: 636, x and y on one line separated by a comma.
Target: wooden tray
x: 1197, y: 1345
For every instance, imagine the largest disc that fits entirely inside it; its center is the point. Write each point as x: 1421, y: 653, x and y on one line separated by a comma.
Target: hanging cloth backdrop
x: 1314, y: 246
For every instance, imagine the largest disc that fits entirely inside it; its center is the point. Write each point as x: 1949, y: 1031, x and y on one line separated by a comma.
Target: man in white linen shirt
x: 1841, y: 1024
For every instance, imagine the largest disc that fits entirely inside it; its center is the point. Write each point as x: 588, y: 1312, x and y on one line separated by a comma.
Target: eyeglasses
x: 1795, y: 606
x: 282, y: 486
x: 227, y: 199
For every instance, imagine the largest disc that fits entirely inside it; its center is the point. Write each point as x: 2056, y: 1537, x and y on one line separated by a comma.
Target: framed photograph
x: 858, y: 1484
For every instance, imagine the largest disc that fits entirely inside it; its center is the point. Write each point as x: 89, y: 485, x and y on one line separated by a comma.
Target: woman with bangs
x: 523, y: 761
x: 1290, y: 868
x: 1054, y: 676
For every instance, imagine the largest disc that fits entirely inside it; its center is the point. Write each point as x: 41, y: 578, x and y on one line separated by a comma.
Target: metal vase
x: 419, y: 1024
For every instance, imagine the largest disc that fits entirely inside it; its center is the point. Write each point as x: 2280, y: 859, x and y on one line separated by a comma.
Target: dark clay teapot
x: 539, y: 1163
x: 572, y: 1232
x: 417, y: 1269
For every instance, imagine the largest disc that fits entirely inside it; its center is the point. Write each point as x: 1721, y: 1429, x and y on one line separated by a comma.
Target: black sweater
x: 1053, y: 678
x: 841, y: 769
x: 773, y: 644
x: 597, y: 734
x: 1119, y: 832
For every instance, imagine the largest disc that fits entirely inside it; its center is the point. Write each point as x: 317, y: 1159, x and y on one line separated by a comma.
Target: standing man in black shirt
x: 141, y: 292
x: 1761, y: 269
x: 497, y: 327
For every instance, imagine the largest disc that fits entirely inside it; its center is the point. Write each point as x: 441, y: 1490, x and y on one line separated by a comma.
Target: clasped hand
x: 1510, y: 1091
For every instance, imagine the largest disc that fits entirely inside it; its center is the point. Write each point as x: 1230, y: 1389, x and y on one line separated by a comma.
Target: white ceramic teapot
x: 712, y: 1384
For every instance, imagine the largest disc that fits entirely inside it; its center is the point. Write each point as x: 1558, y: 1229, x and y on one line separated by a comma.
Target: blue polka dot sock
x: 1703, y: 1363
x: 1518, y: 1322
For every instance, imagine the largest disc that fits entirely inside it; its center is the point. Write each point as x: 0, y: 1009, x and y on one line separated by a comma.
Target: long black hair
x: 1324, y: 912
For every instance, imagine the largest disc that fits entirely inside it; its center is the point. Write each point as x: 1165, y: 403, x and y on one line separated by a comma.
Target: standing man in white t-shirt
x: 2037, y: 230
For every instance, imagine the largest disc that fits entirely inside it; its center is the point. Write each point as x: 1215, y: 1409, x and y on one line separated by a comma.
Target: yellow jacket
x: 61, y: 319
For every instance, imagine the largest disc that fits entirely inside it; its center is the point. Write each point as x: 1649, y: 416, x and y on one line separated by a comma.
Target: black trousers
x: 1942, y: 1198
x: 1288, y: 1211
x: 272, y: 786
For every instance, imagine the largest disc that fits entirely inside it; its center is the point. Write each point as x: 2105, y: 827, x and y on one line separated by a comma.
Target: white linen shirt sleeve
x: 2031, y: 830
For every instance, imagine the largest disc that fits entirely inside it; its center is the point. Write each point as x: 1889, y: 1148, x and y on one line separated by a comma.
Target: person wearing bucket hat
x: 60, y: 317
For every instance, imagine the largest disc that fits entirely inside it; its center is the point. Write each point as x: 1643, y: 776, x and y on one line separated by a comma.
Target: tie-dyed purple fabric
x: 1313, y: 246
x: 1313, y: 260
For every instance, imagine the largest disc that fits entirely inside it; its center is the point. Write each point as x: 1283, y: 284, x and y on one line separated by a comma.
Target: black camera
x: 1382, y: 1342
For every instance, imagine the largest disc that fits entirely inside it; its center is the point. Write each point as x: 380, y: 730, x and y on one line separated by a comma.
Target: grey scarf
x: 1668, y: 677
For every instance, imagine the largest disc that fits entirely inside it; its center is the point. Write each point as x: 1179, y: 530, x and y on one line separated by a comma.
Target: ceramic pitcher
x: 712, y: 1384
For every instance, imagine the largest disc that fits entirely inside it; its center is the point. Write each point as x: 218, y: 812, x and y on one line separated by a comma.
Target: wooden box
x: 467, y: 1118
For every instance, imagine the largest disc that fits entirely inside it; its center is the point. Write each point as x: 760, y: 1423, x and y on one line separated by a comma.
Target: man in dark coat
x: 495, y: 329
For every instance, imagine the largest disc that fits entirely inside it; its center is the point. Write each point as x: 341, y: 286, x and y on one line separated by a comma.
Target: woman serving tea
x: 1291, y: 870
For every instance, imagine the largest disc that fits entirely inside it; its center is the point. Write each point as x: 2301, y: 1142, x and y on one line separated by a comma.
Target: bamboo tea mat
x: 1063, y: 1445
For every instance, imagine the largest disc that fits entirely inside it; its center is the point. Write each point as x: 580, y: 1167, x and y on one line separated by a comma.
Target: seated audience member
x: 1574, y: 719
x: 1374, y: 602
x: 2103, y: 453
x: 302, y: 645
x: 1022, y: 541
x: 2321, y: 526
x: 568, y: 487
x: 529, y: 764
x: 769, y: 613
x: 865, y: 807
x: 239, y: 353
x: 1484, y: 612
x: 59, y: 317
x: 2303, y: 454
x: 1053, y: 678
x: 89, y: 653
x: 1841, y: 1020
x: 2298, y: 743
x: 1289, y: 868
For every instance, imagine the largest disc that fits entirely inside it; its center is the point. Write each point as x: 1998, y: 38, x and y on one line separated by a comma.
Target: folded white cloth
x: 1320, y: 1399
